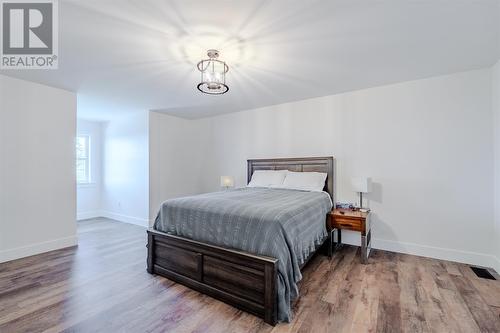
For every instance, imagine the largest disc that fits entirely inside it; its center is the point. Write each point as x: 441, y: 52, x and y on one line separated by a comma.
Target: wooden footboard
x: 244, y: 280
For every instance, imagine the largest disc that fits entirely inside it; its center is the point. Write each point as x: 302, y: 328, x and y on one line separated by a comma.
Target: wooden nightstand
x: 344, y: 219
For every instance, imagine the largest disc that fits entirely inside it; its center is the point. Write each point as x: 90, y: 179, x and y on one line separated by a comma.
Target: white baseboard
x: 29, y: 250
x: 496, y: 267
x: 466, y: 257
x: 88, y: 215
x: 125, y: 218
x: 114, y: 216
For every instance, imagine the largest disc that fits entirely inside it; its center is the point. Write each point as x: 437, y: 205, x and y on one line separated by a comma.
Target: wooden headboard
x: 305, y: 164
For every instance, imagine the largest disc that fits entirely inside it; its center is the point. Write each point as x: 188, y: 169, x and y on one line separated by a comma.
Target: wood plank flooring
x: 102, y: 286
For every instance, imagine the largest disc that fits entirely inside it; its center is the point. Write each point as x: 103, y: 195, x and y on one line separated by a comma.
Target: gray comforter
x: 284, y: 224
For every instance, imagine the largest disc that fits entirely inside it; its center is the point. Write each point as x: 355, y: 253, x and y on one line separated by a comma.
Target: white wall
x: 125, y: 194
x: 179, y: 149
x: 37, y: 169
x: 89, y: 195
x: 427, y: 144
x: 496, y: 124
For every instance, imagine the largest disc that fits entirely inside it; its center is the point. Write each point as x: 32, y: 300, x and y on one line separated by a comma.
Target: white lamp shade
x: 226, y: 181
x: 362, y: 184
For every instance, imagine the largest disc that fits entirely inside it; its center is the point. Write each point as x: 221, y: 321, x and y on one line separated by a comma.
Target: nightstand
x: 344, y: 219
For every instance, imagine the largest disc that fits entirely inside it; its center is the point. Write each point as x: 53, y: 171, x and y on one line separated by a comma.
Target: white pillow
x: 267, y: 178
x: 306, y: 181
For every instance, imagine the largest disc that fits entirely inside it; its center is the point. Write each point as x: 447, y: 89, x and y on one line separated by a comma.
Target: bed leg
x: 150, y: 261
x: 271, y: 294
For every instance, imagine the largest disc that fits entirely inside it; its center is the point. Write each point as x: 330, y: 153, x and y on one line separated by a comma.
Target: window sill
x: 85, y: 185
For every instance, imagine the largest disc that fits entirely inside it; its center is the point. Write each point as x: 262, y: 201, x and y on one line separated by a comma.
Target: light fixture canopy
x: 213, y: 74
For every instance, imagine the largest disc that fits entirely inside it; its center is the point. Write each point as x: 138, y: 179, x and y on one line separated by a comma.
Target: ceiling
x: 141, y: 55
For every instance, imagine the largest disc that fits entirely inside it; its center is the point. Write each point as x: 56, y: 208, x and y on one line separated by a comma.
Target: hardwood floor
x: 103, y: 286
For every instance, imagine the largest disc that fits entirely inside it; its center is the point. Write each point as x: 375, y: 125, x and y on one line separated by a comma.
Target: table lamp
x: 226, y: 182
x: 361, y: 185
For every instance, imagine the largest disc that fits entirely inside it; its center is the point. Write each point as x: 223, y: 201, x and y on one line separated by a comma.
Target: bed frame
x: 242, y: 279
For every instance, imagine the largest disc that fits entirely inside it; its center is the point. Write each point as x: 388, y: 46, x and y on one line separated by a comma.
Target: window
x: 83, y: 159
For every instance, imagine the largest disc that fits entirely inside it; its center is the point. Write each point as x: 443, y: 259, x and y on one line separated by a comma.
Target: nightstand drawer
x: 347, y: 223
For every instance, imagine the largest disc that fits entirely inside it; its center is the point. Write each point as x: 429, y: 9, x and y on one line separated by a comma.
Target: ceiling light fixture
x: 213, y: 74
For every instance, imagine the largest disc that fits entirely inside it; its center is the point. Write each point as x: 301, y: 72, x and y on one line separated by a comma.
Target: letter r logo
x: 27, y: 28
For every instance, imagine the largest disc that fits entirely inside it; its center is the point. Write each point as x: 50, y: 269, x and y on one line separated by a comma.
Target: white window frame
x: 88, y: 176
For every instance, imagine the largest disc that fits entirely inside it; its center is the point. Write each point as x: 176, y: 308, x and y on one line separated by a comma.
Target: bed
x: 245, y: 247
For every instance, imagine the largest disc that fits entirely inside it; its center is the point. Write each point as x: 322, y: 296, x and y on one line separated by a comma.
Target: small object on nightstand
x: 344, y: 205
x: 356, y: 221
